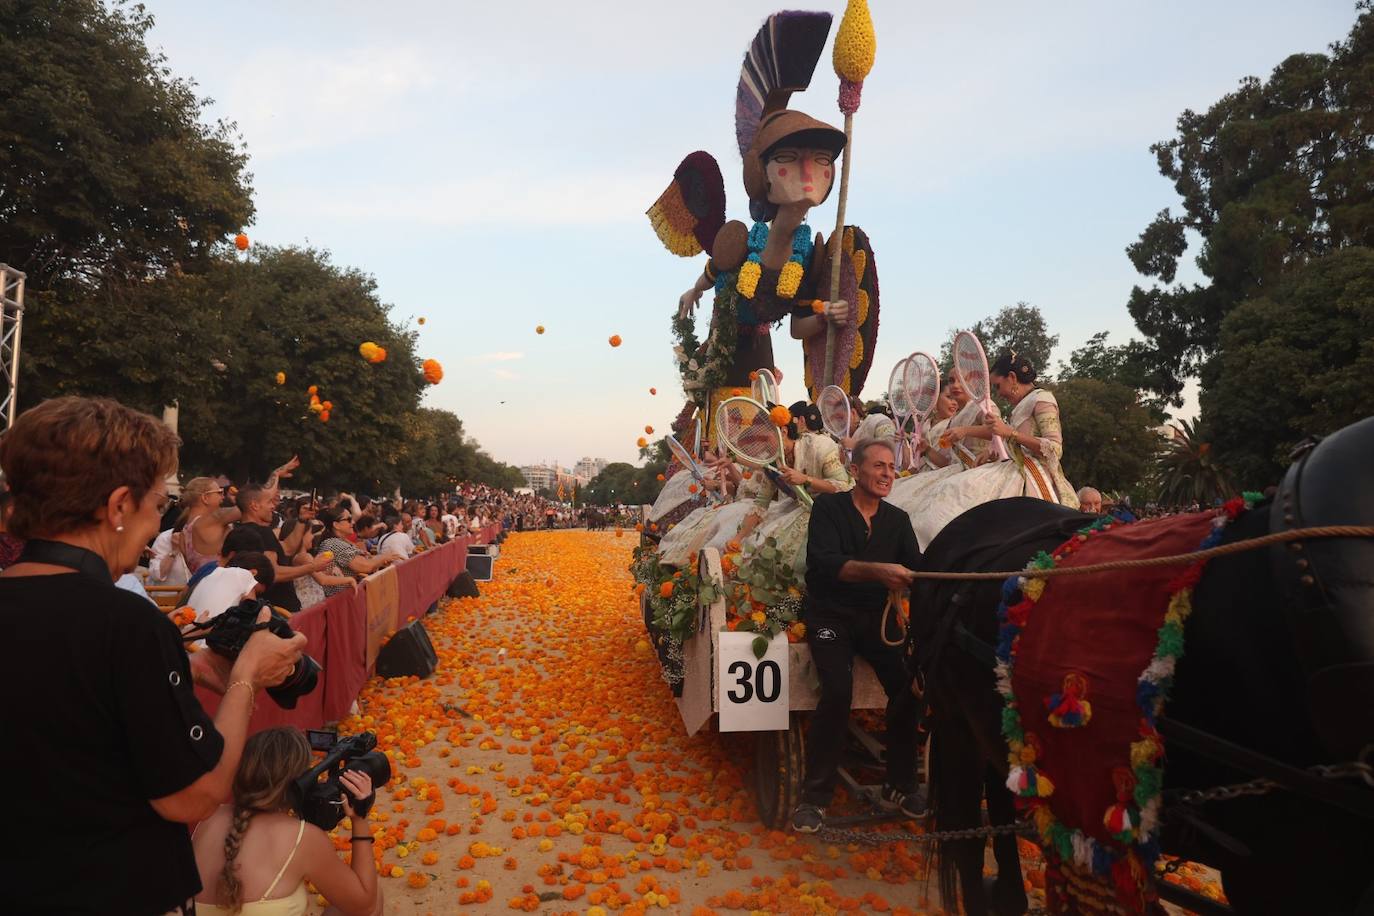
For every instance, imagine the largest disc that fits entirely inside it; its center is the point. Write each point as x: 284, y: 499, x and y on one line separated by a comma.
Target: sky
x: 490, y: 165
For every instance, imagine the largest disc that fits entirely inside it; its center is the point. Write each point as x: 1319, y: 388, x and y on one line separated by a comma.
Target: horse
x: 1278, y: 677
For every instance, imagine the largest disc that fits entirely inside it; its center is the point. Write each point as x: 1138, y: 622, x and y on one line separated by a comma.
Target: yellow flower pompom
x: 367, y: 350
x: 789, y: 280
x: 857, y: 359
x: 281, y: 378
x: 641, y: 442
x: 780, y: 416
x: 855, y: 43
x: 748, y: 281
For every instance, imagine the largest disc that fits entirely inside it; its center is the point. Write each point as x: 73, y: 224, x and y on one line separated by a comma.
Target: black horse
x: 1279, y: 663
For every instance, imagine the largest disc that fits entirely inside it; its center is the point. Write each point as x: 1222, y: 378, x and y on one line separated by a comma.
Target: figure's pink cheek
x: 827, y: 173
x: 782, y: 173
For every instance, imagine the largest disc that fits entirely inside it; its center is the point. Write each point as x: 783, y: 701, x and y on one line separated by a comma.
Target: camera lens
x: 304, y: 678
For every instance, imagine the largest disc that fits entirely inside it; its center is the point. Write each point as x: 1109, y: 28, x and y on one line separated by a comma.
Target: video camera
x: 230, y: 631
x: 320, y: 801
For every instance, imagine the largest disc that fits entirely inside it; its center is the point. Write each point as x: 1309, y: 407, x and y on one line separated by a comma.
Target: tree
x: 107, y: 172
x: 1188, y: 471
x: 613, y: 485
x: 1110, y: 441
x: 1127, y: 364
x: 1272, y: 176
x: 1018, y: 327
x: 1291, y: 364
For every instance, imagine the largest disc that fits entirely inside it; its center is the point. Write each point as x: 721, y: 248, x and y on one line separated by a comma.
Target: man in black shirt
x: 859, y: 549
x: 257, y: 503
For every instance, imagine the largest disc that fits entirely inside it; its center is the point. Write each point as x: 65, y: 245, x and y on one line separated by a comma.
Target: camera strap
x: 56, y: 553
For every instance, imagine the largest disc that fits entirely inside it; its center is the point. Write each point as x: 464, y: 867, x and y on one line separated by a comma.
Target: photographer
x: 257, y: 855
x: 117, y: 749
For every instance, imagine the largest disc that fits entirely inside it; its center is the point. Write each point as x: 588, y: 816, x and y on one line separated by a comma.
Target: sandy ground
x: 543, y: 767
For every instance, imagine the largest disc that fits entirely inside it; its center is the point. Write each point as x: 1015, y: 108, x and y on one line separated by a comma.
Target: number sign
x: 752, y: 691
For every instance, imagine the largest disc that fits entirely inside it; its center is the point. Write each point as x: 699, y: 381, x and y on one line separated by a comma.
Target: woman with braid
x: 255, y: 856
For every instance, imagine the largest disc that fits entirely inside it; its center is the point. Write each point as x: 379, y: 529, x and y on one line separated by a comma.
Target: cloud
x: 505, y: 375
x: 503, y: 357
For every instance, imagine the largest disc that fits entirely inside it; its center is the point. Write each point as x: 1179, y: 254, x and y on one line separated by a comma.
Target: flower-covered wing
x: 687, y: 216
x: 855, y: 340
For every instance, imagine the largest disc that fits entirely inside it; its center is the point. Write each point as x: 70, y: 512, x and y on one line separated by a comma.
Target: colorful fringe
x: 1134, y: 818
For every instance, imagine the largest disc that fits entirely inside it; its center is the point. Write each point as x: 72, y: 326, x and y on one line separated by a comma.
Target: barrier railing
x: 346, y: 630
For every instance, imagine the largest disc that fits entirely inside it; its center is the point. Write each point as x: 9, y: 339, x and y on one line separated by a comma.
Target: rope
x: 1278, y: 537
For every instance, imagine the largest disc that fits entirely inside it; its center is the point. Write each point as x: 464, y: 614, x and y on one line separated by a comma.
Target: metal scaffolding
x: 12, y: 301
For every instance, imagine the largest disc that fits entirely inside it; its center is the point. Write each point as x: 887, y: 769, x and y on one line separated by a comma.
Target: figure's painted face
x: 799, y: 175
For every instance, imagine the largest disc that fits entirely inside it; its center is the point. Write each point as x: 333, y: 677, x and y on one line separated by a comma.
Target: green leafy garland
x: 765, y: 595
x: 674, y: 615
x: 702, y: 372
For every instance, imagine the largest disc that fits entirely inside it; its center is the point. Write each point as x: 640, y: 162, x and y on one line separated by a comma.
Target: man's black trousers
x: 835, y: 639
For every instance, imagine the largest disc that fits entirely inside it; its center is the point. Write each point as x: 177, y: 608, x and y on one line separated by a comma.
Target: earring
x: 119, y: 527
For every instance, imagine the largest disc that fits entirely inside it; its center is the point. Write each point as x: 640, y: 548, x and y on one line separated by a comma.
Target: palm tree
x: 1188, y: 472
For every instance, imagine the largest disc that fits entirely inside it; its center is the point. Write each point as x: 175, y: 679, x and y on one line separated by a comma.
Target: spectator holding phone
x: 117, y: 748
x: 254, y: 855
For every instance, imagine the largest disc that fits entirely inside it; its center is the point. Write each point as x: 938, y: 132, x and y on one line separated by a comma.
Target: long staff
x: 855, y: 45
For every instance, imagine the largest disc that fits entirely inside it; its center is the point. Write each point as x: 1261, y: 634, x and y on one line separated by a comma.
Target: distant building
x: 540, y: 476
x: 588, y: 468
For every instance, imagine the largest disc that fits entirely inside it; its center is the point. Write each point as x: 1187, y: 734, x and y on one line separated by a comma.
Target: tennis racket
x: 764, y: 387
x: 696, y: 437
x: 690, y: 464
x: 751, y: 436
x: 834, y: 407
x: 922, y: 390
x: 899, y: 403
x: 971, y: 369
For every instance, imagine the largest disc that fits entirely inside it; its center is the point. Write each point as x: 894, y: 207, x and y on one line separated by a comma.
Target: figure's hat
x: 780, y: 61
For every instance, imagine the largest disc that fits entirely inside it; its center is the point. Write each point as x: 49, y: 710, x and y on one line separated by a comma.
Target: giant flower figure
x: 434, y: 373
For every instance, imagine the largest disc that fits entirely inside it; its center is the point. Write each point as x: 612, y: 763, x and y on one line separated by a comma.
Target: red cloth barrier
x: 309, y: 711
x: 337, y: 633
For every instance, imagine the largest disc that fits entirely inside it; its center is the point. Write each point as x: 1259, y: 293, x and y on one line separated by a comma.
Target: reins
x: 1278, y: 537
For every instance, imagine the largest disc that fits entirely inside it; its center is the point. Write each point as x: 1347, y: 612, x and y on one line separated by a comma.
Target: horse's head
x: 1329, y: 583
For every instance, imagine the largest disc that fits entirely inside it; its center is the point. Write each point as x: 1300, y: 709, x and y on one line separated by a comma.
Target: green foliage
x: 1110, y: 441
x: 107, y: 172
x: 1127, y: 364
x: 766, y: 581
x: 1293, y: 363
x: 1273, y: 175
x: 434, y: 454
x: 1020, y: 327
x: 1188, y: 471
x: 621, y: 482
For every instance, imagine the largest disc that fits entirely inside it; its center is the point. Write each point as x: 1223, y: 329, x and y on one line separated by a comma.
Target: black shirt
x: 100, y: 719
x: 836, y: 535
x: 281, y: 594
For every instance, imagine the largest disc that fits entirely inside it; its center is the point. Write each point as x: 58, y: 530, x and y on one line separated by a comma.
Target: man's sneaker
x: 808, y: 818
x: 910, y: 805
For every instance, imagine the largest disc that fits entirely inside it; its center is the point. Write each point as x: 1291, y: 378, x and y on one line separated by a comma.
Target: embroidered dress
x: 784, y: 518
x: 933, y: 500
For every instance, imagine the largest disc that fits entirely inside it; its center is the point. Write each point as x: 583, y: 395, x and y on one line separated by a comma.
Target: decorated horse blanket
x: 1084, y: 665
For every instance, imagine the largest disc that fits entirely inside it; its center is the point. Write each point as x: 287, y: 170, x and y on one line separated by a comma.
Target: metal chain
x: 1350, y: 770
x: 873, y: 838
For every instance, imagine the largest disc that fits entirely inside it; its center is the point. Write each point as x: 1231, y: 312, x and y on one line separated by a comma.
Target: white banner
x: 752, y: 692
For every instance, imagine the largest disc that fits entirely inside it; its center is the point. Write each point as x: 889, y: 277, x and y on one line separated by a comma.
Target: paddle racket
x: 690, y: 464
x: 751, y: 436
x: 971, y: 369
x: 922, y: 385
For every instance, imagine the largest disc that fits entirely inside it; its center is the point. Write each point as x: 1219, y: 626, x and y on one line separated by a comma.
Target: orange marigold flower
x: 615, y: 340
x: 666, y: 589
x: 649, y: 430
x: 780, y: 416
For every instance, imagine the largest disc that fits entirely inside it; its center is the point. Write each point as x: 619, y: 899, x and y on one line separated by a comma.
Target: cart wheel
x: 779, y: 764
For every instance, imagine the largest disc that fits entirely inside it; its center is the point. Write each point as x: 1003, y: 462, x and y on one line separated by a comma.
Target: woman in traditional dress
x: 702, y: 527
x: 812, y: 461
x: 937, y: 456
x: 1034, y: 439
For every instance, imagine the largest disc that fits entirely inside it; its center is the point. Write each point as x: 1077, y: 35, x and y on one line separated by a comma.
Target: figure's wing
x: 687, y: 216
x: 780, y: 61
x: 856, y: 338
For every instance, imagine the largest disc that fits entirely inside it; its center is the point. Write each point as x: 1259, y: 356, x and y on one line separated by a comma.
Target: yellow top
x: 293, y: 904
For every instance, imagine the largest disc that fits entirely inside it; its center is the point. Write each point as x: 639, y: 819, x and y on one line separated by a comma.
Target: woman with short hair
x: 119, y: 750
